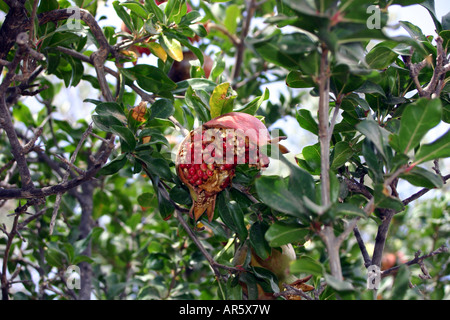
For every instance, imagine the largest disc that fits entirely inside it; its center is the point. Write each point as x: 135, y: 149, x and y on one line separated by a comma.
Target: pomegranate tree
x: 208, y: 156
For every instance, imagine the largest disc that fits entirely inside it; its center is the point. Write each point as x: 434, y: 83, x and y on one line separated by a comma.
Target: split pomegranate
x: 208, y: 156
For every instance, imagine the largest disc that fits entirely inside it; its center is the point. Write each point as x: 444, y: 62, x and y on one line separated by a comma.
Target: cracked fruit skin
x: 208, y: 156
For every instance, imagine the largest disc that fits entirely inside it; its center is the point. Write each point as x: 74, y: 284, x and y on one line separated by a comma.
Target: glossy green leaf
x: 417, y: 119
x: 123, y: 15
x: 341, y: 154
x: 126, y: 136
x: 233, y: 216
x: 311, y: 154
x: 439, y: 148
x: 421, y: 177
x: 114, y: 165
x: 254, y: 105
x: 149, y: 78
x: 137, y: 8
x: 161, y: 109
x: 384, y: 200
x: 347, y: 209
x: 307, y: 265
x: 111, y: 109
x: 297, y: 79
x: 274, y: 192
x: 195, y: 102
x: 377, y: 135
x: 280, y: 233
x: 258, y: 241
x: 285, y: 50
x: 307, y: 122
x: 339, y: 285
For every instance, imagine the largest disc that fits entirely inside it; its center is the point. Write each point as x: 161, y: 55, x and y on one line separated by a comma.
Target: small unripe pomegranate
x: 208, y: 156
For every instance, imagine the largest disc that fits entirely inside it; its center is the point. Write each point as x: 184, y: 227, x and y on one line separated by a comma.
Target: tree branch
x: 5, y: 118
x: 417, y: 260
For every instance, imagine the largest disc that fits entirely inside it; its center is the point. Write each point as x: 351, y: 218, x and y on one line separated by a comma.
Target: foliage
x: 102, y: 193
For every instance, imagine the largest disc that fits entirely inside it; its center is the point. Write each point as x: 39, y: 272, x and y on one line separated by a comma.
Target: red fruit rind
x: 208, y: 156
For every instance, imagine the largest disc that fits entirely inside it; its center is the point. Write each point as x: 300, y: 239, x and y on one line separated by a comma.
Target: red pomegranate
x: 208, y: 156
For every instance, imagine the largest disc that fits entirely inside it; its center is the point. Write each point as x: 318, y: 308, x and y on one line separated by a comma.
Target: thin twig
x: 417, y: 260
x: 66, y: 177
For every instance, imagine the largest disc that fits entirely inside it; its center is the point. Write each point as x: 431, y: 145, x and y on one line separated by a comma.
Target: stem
x: 327, y: 233
x: 324, y: 93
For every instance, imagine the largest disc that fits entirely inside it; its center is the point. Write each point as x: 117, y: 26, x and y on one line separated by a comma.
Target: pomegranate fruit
x: 208, y: 156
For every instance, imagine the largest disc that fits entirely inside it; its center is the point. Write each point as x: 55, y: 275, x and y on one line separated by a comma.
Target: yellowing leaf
x: 221, y: 102
x: 173, y: 48
x: 158, y: 50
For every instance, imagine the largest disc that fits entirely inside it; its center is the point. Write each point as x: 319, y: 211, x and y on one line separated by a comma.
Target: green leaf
x: 157, y: 166
x: 146, y: 199
x: 377, y: 135
x: 111, y: 109
x: 257, y: 240
x: 339, y: 285
x: 195, y: 102
x: 348, y: 209
x: 105, y: 123
x: 307, y: 122
x: 232, y: 15
x: 301, y: 183
x: 285, y: 50
x: 232, y: 215
x: 274, y: 192
x: 384, y: 200
x: 123, y: 15
x: 311, y: 154
x: 155, y: 9
x: 429, y: 5
x: 137, y: 8
x: 161, y: 109
x: 439, y: 148
x: 180, y: 195
x: 382, y: 55
x: 341, y: 154
x: 114, y: 165
x: 280, y: 233
x: 221, y: 101
x: 127, y: 137
x: 307, y: 265
x: 149, y: 78
x: 156, y: 137
x: 254, y: 105
x: 297, y: 79
x: 421, y: 177
x: 175, y: 10
x: 417, y: 119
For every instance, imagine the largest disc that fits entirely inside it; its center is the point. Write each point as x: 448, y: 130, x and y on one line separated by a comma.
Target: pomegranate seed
x: 194, y: 177
x: 192, y: 171
x: 205, y: 176
x: 199, y: 182
x: 209, y: 173
x: 203, y: 166
x: 199, y: 172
